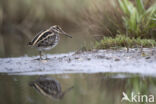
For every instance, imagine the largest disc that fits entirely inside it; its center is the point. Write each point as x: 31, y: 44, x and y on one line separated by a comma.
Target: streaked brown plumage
x: 49, y: 87
x: 47, y: 39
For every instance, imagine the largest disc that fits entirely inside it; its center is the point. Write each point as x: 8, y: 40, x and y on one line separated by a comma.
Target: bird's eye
x: 57, y: 27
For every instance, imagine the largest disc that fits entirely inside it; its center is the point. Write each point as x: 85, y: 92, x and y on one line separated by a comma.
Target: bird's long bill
x: 64, y: 33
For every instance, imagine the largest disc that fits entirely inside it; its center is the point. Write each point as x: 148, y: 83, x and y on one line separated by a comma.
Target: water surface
x: 100, y: 88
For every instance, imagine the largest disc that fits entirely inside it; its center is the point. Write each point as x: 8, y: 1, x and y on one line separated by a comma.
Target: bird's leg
x: 46, y: 56
x: 40, y: 52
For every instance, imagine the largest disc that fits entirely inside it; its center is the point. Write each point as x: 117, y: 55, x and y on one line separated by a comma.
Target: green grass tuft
x: 124, y: 41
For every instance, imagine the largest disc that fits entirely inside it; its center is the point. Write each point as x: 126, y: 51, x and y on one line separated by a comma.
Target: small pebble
x: 88, y: 58
x: 148, y: 57
x: 117, y: 59
x: 100, y: 56
x: 76, y: 57
x: 108, y: 58
x: 69, y: 60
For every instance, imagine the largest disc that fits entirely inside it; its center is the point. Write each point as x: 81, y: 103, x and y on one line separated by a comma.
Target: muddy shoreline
x: 95, y: 61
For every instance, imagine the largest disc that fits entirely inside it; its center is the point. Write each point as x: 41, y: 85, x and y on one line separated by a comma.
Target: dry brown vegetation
x: 100, y: 17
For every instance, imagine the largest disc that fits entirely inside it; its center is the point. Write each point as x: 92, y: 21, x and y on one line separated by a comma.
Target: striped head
x: 59, y: 30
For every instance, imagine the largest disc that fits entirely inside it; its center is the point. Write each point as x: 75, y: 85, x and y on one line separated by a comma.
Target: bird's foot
x: 38, y: 59
x: 47, y: 59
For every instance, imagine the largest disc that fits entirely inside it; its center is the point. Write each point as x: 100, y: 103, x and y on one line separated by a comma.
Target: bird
x: 47, y: 39
x: 49, y: 87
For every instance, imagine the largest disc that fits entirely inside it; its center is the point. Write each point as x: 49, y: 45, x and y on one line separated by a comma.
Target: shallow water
x: 97, y: 88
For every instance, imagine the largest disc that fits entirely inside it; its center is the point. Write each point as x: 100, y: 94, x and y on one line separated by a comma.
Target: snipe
x: 49, y: 87
x: 47, y: 39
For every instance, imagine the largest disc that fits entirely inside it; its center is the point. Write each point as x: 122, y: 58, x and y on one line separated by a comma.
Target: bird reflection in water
x: 49, y: 87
